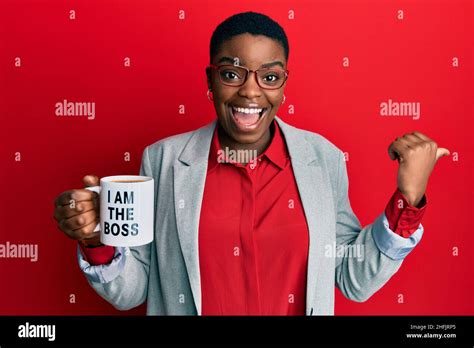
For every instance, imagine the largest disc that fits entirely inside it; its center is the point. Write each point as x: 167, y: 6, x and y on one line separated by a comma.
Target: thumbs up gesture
x: 417, y: 155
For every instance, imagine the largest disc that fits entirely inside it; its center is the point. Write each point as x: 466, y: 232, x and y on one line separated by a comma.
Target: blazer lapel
x: 189, y: 174
x: 316, y: 198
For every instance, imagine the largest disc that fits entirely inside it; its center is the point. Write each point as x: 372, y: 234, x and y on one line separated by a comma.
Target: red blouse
x: 253, y: 236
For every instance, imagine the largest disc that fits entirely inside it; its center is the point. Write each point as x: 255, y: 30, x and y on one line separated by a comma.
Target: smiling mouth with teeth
x: 247, y: 117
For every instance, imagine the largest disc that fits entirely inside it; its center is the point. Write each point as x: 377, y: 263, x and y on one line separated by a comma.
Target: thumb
x: 90, y: 180
x: 441, y: 152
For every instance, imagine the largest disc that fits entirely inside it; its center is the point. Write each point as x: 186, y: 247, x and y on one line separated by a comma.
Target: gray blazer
x: 165, y: 273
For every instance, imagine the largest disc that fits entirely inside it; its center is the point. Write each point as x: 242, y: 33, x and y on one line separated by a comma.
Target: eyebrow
x: 266, y: 65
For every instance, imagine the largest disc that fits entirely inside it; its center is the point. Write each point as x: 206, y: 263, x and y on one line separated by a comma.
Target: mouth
x: 247, y: 119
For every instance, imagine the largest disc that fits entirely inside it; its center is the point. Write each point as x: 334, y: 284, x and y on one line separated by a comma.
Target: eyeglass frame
x: 216, y: 67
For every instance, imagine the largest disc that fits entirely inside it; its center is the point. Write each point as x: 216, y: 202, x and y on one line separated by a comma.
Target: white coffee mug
x: 126, y: 210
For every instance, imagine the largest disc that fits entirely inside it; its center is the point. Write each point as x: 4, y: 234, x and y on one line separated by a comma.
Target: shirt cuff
x: 99, y: 255
x: 391, y: 244
x: 104, y: 273
x: 403, y: 218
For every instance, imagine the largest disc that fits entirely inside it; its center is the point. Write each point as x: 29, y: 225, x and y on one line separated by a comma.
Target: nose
x: 250, y: 89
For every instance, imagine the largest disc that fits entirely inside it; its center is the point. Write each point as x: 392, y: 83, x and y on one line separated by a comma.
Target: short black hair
x: 248, y: 22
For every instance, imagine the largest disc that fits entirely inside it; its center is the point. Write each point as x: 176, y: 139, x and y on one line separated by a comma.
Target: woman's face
x: 251, y: 52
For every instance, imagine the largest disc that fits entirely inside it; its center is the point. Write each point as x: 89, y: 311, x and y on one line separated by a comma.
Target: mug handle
x: 97, y: 190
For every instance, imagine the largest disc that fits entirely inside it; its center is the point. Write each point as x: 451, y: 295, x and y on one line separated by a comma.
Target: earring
x: 283, y: 101
x: 211, y: 98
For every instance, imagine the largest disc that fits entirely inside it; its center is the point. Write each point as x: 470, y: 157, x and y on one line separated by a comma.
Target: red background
x: 82, y: 60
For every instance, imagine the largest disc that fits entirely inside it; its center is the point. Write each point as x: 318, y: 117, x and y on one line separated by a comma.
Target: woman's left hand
x: 417, y: 155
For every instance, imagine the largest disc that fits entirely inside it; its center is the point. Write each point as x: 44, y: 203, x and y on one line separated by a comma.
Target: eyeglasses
x: 236, y: 76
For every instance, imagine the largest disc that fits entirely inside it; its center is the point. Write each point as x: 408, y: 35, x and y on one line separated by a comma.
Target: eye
x: 230, y: 75
x: 271, y: 78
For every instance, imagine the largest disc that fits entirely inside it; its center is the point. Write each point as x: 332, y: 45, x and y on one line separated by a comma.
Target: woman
x: 252, y: 214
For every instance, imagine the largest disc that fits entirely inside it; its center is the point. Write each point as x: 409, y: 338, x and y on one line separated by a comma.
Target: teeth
x: 247, y: 110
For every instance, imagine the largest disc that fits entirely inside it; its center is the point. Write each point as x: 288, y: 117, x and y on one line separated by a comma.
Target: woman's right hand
x: 77, y: 213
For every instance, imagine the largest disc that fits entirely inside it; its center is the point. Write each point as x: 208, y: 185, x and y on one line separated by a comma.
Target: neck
x: 260, y: 145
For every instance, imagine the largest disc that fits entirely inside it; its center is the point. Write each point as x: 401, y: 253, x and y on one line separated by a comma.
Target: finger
x: 63, y: 197
x: 75, y: 196
x: 421, y: 136
x: 87, y: 231
x: 407, y: 143
x: 79, y: 221
x: 90, y: 180
x: 67, y: 231
x: 441, y: 152
x: 413, y: 139
x: 94, y: 235
x: 391, y: 151
x: 67, y: 211
x: 397, y: 149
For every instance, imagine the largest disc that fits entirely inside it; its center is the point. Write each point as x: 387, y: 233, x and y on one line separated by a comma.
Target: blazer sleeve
x: 124, y: 281
x: 366, y: 257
